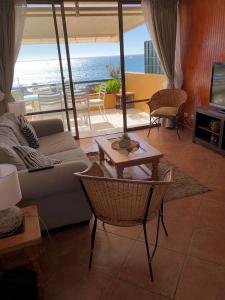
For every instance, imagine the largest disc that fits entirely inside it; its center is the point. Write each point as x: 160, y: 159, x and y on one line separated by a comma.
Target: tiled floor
x: 100, y: 124
x: 189, y: 264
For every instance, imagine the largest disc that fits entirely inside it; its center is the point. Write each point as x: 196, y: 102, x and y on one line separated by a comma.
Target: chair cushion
x: 10, y: 120
x: 55, y: 143
x: 29, y: 132
x: 81, y: 107
x: 32, y: 158
x: 165, y: 111
x: 96, y: 101
x: 9, y: 156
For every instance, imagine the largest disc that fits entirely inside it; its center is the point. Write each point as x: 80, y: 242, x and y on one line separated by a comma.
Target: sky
x: 133, y: 44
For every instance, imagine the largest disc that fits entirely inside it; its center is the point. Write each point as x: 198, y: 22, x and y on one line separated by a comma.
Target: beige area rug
x: 183, y: 186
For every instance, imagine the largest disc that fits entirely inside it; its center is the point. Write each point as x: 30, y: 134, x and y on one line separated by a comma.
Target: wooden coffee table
x: 121, y: 159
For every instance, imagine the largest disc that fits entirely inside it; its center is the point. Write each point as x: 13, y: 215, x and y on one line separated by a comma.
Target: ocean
x: 83, y: 69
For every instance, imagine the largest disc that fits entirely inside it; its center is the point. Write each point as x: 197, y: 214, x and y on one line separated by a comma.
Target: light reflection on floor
x: 100, y: 124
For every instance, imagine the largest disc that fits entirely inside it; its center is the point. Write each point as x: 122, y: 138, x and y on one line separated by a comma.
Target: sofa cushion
x: 32, y: 158
x: 74, y: 155
x: 165, y: 111
x: 55, y: 143
x: 9, y: 120
x: 9, y: 156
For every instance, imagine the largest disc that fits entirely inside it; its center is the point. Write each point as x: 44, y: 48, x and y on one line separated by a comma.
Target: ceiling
x: 85, y: 22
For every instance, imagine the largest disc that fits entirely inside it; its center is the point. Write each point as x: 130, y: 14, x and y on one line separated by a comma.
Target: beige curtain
x: 161, y: 20
x: 20, y: 17
x: 12, y: 18
x: 178, y: 76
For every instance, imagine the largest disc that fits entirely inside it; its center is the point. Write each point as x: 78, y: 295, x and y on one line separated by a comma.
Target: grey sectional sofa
x: 56, y: 192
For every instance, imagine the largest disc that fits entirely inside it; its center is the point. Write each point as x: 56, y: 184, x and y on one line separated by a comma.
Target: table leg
x: 101, y: 154
x: 119, y: 171
x: 33, y: 255
x: 155, y: 164
x: 33, y: 106
x: 117, y: 102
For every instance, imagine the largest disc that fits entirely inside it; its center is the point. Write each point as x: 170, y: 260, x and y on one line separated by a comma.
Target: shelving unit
x: 203, y: 134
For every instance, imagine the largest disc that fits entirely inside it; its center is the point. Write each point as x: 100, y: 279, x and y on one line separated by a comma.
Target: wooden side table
x: 24, y: 247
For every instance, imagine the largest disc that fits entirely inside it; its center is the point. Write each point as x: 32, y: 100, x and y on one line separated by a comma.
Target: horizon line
x: 56, y: 59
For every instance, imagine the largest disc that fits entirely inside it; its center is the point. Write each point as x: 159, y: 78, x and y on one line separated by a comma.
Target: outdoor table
x: 129, y: 97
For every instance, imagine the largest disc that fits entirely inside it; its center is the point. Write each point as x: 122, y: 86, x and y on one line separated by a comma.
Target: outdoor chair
x: 51, y: 101
x: 41, y: 89
x: 81, y: 103
x: 99, y: 101
x: 125, y: 203
x: 167, y: 103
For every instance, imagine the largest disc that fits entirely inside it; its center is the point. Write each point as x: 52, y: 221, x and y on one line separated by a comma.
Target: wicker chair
x: 124, y: 203
x: 167, y: 103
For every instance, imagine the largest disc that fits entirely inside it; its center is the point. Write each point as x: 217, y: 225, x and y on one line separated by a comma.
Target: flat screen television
x: 217, y: 91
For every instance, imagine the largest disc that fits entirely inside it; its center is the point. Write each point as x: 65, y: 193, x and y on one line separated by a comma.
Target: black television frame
x: 220, y: 108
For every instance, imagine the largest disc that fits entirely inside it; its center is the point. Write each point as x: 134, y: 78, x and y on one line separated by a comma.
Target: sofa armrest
x: 55, y: 181
x: 47, y: 127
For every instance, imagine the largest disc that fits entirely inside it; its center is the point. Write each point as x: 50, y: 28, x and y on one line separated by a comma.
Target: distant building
x: 152, y: 63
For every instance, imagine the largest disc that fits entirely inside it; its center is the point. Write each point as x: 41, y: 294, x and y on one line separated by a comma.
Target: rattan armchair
x: 167, y: 103
x: 125, y: 203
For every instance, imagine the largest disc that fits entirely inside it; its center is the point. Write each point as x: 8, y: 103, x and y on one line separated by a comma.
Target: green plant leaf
x: 113, y: 86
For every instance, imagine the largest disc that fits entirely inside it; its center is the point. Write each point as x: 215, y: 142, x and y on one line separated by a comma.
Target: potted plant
x: 124, y: 141
x: 113, y: 86
x: 114, y: 72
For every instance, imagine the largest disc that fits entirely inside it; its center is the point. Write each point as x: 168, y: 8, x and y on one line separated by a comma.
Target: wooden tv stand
x: 204, y: 135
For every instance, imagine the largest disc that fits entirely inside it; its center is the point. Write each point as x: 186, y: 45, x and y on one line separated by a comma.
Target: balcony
x: 94, y: 121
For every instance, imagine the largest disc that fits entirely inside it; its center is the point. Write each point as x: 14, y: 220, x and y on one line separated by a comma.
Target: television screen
x: 218, y: 85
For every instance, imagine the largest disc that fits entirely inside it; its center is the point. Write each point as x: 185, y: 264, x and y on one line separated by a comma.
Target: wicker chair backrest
x: 124, y: 200
x: 168, y: 98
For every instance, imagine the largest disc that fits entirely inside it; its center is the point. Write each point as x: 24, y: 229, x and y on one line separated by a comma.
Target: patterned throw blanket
x: 10, y: 121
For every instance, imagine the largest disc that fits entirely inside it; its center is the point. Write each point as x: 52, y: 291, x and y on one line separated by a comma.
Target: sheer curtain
x: 12, y: 18
x: 162, y: 20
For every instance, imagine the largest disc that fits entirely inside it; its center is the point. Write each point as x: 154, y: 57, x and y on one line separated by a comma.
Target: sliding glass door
x: 40, y: 73
x: 93, y: 35
x: 78, y: 62
x: 137, y: 84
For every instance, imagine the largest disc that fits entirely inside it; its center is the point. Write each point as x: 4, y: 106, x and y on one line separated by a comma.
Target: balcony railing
x: 94, y: 123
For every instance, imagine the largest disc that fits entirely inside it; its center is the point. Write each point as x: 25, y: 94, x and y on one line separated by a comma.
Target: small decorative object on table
x: 213, y: 139
x: 124, y: 141
x: 214, y: 125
